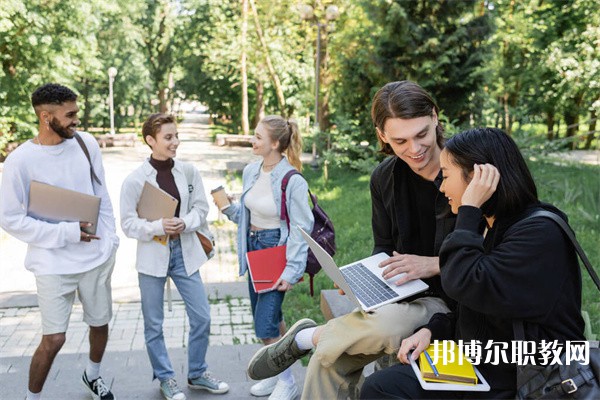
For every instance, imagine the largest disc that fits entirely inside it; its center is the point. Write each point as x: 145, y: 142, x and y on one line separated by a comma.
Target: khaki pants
x: 348, y: 343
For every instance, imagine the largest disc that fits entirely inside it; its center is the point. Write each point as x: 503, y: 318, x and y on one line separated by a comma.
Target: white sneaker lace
x: 172, y: 384
x: 206, y: 375
x: 100, y: 387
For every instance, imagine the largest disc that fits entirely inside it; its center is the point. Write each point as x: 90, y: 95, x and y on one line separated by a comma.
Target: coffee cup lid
x: 217, y: 189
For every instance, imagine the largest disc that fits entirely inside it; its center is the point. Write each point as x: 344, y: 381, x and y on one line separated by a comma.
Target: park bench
x: 118, y: 139
x: 223, y: 139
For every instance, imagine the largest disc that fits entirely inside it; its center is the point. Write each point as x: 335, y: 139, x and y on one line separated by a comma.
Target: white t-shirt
x: 260, y: 202
x: 55, y: 248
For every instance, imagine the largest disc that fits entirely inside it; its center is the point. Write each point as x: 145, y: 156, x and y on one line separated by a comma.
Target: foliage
x: 439, y: 44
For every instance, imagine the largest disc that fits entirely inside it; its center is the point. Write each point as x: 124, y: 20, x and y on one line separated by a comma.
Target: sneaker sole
x: 265, y: 391
x: 213, y: 391
x: 257, y: 355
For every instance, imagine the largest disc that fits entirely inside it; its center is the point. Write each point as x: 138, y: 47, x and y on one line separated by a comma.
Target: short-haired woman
x: 277, y: 140
x: 179, y: 258
x: 497, y: 264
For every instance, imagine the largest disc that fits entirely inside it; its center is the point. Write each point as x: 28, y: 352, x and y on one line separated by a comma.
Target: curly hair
x: 52, y: 93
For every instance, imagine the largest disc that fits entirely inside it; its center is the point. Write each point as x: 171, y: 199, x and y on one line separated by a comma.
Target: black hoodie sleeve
x: 381, y: 221
x: 521, y: 277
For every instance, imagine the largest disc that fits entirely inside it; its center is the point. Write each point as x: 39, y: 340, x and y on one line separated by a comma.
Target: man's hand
x: 340, y: 291
x: 84, y: 236
x: 415, y: 267
x: 173, y: 226
x: 417, y: 343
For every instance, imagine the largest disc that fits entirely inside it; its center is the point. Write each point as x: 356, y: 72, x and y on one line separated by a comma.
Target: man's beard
x: 62, y: 131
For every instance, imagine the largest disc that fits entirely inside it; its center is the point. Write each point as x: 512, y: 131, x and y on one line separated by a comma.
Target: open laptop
x: 362, y: 281
x: 55, y: 204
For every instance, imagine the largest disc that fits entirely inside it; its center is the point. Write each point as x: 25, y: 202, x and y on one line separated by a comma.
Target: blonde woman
x: 277, y: 140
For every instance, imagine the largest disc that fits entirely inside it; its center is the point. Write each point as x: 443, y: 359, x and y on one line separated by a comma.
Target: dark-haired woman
x: 179, y: 258
x: 497, y: 265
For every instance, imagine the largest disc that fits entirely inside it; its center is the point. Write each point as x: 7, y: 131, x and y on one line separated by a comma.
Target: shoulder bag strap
x: 567, y: 229
x: 93, y: 175
x: 518, y: 328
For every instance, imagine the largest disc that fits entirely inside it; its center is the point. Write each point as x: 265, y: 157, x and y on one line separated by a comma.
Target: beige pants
x: 348, y: 343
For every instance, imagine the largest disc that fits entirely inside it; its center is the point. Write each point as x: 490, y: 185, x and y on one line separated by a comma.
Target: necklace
x: 270, y: 165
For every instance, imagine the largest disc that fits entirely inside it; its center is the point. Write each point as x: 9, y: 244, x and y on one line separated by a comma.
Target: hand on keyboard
x: 414, y: 267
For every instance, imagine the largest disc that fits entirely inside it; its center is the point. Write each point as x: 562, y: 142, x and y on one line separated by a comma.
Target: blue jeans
x: 266, y: 307
x: 192, y: 291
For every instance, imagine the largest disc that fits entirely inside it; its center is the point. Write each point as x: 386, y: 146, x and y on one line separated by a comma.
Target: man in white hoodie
x: 63, y: 257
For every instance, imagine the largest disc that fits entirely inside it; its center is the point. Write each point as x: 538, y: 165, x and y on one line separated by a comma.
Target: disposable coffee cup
x: 220, y: 197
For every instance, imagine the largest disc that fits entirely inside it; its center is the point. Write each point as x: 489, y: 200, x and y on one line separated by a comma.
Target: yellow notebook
x: 452, y: 366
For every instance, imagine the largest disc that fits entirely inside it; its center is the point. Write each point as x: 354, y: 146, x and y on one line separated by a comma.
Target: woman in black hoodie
x: 498, y: 265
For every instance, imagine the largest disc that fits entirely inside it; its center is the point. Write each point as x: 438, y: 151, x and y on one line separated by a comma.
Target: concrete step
x: 130, y: 376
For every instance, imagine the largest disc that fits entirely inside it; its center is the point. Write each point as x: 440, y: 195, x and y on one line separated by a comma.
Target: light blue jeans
x: 192, y: 291
x: 266, y: 307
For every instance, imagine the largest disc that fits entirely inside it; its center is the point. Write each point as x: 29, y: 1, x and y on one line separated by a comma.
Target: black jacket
x: 392, y: 205
x: 525, y: 270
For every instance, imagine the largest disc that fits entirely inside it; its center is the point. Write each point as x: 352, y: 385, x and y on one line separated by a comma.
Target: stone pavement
x: 126, y: 366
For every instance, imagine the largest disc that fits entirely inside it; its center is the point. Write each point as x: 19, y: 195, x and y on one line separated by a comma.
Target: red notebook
x: 266, y: 267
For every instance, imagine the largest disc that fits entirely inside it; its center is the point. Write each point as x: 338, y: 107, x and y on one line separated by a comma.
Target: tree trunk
x: 245, y: 123
x: 550, y: 125
x: 591, y: 130
x: 572, y: 119
x: 259, y: 112
x: 272, y: 72
x: 507, y: 126
x: 87, y: 108
x: 162, y: 98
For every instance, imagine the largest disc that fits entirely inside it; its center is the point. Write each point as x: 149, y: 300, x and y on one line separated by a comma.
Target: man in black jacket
x: 410, y: 219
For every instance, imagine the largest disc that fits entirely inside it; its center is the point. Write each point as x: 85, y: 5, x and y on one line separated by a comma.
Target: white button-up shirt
x: 152, y: 256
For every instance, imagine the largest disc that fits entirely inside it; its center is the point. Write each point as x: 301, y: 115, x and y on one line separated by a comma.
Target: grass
x: 345, y: 197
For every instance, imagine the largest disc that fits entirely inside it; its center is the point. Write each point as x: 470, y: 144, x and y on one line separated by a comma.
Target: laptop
x: 55, y: 204
x: 362, y: 281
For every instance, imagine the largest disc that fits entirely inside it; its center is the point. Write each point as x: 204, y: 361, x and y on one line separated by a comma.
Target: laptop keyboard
x: 365, y: 285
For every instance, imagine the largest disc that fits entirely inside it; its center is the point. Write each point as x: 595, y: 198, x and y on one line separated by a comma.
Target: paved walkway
x: 125, y: 365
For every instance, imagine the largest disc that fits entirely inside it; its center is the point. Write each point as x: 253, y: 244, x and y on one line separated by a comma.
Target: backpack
x: 322, y: 232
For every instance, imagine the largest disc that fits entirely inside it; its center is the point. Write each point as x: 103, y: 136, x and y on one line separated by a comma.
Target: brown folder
x: 155, y: 204
x: 55, y: 204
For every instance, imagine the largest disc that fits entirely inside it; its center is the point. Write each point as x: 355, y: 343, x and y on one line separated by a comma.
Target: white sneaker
x: 284, y: 391
x: 264, y: 387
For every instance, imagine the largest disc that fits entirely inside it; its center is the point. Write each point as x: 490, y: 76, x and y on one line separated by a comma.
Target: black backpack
x: 323, y: 232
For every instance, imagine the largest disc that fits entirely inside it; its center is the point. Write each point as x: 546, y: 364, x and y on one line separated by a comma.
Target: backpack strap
x: 284, y: 213
x: 93, y: 175
x: 284, y: 183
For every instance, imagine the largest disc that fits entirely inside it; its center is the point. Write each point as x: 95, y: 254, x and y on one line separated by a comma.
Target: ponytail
x: 285, y: 131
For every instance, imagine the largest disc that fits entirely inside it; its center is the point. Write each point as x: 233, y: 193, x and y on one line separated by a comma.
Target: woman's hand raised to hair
x: 482, y: 186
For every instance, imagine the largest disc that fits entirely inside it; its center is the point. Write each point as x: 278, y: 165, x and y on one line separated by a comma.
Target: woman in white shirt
x: 258, y: 215
x: 179, y: 258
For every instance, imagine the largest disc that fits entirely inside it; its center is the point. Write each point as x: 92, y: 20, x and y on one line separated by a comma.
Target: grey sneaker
x: 170, y: 390
x: 275, y: 358
x: 207, y: 382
